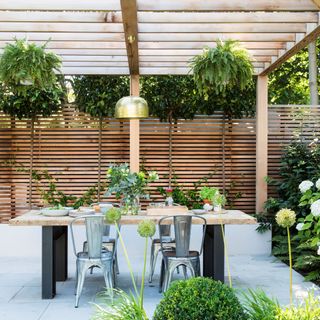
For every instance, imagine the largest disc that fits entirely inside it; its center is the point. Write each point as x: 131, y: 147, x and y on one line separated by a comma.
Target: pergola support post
x: 313, y: 73
x: 134, y: 128
x: 261, y: 142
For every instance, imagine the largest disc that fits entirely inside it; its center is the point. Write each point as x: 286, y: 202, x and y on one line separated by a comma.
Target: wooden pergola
x: 147, y: 37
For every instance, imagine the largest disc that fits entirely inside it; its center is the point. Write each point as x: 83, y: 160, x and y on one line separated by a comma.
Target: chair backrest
x: 182, y: 232
x: 94, y: 231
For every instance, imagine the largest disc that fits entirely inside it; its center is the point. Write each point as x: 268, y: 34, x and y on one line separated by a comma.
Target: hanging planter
x: 25, y: 64
x: 224, y: 67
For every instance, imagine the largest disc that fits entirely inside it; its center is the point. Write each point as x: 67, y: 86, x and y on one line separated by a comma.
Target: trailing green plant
x: 227, y: 65
x: 258, y: 306
x: 23, y: 61
x: 199, y: 298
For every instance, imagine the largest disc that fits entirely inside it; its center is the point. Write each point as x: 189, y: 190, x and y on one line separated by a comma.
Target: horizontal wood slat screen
x: 66, y: 145
x: 285, y: 123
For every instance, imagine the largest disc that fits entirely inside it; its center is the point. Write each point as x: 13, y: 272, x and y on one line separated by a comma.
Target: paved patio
x: 20, y: 287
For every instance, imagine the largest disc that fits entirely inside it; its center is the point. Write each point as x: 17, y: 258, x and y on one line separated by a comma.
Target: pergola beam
x: 130, y: 26
x: 312, y: 36
x: 222, y: 5
x: 317, y: 3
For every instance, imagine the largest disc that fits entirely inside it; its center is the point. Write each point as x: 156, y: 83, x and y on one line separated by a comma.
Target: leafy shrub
x: 259, y: 306
x: 199, y: 298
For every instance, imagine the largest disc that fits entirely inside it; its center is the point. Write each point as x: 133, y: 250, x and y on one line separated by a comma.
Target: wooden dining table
x: 55, y: 242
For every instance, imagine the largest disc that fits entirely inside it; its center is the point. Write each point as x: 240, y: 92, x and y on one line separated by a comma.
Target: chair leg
x: 116, y: 263
x: 168, y: 276
x: 162, y: 273
x: 81, y: 273
x: 184, y: 268
x: 151, y: 265
x: 107, y: 273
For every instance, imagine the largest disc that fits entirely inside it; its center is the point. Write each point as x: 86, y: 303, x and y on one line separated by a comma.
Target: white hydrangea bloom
x: 315, y: 208
x: 318, y: 184
x: 318, y: 251
x: 299, y: 226
x: 305, y: 185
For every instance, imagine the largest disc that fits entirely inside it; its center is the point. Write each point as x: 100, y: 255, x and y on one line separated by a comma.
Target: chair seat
x: 105, y: 255
x: 172, y: 254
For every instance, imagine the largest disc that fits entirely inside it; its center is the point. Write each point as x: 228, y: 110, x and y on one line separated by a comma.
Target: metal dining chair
x: 110, y: 244
x: 181, y: 255
x: 168, y: 244
x: 95, y: 255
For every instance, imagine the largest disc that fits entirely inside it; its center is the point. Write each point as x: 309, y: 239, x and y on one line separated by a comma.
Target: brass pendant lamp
x: 131, y: 107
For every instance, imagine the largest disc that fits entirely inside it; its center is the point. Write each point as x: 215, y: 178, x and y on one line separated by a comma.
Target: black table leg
x: 54, y: 258
x: 213, y: 253
x: 61, y: 253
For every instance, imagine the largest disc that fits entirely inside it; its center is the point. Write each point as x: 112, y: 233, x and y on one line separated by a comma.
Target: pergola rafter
x: 158, y: 37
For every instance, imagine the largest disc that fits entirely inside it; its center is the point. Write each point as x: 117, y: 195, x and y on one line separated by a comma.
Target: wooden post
x: 261, y: 142
x: 313, y: 73
x: 134, y: 129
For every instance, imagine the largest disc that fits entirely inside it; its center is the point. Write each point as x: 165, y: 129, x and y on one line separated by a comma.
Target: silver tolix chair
x: 168, y: 244
x: 181, y: 255
x: 95, y: 256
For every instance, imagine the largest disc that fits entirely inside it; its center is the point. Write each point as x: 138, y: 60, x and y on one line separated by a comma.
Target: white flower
x: 305, y: 185
x: 318, y: 184
x: 299, y: 226
x: 318, y: 251
x: 315, y: 208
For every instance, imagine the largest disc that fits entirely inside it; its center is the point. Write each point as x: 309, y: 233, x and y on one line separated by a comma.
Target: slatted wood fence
x: 66, y: 144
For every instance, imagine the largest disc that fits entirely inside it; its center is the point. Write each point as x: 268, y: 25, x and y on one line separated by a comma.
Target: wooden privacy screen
x: 66, y: 144
x: 285, y: 123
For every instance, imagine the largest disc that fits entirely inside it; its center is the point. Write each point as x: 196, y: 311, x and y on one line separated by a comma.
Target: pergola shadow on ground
x: 141, y: 37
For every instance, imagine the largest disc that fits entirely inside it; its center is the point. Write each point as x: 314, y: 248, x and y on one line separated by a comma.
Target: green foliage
x: 24, y: 61
x: 125, y: 307
x: 217, y: 69
x: 259, y: 306
x: 208, y: 193
x: 98, y: 95
x: 309, y: 310
x: 184, y: 195
x: 31, y: 103
x: 170, y: 97
x: 289, y: 84
x: 234, y: 102
x: 128, y: 185
x: 199, y: 298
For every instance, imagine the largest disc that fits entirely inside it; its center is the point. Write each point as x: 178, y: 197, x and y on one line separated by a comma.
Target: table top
x: 35, y: 218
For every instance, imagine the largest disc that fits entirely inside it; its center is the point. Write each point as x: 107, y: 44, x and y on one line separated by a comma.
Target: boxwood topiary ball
x: 199, y: 299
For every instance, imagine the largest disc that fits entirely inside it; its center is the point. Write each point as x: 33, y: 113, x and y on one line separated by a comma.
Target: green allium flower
x: 113, y: 215
x: 286, y: 218
x: 146, y: 228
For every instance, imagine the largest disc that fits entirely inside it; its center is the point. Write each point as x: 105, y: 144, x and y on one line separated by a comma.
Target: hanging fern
x: 221, y: 68
x: 23, y: 61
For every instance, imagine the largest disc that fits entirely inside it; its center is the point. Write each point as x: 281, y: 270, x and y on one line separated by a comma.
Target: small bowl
x: 198, y: 211
x: 48, y: 212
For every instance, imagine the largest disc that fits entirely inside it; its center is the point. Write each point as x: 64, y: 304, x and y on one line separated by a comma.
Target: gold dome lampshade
x: 132, y: 108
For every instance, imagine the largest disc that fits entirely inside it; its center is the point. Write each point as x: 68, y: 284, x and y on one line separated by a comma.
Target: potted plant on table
x: 207, y: 195
x: 219, y: 201
x: 129, y: 186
